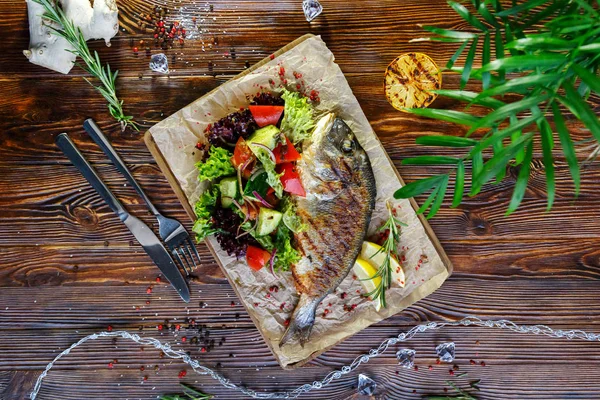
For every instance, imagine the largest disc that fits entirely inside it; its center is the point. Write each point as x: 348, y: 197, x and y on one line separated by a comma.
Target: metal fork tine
x: 191, y: 244
x: 189, y: 266
x: 178, y: 259
x: 187, y: 248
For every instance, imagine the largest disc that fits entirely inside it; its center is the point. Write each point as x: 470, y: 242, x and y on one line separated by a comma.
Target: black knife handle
x: 64, y: 142
x: 94, y: 131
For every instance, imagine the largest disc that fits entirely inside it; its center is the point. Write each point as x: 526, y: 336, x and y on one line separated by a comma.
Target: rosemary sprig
x: 189, y: 393
x: 547, y: 55
x: 462, y: 395
x: 390, y: 249
x: 92, y: 64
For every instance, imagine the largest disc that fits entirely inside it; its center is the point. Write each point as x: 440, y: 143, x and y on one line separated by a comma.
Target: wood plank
x: 60, y: 281
x: 380, y: 30
x: 70, y: 211
x: 78, y: 307
x: 244, y: 348
x: 153, y: 99
x: 531, y: 379
x: 72, y: 264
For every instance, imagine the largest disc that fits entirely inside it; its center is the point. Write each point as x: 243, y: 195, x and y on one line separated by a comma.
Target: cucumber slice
x: 268, y: 220
x: 266, y: 136
x: 229, y: 191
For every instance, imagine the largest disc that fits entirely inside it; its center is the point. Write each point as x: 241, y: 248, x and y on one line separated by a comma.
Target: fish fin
x: 302, y: 320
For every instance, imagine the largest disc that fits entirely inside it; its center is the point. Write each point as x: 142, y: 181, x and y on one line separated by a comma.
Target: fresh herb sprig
x: 189, y: 393
x: 92, y: 64
x: 461, y: 394
x: 392, y: 227
x: 553, y: 47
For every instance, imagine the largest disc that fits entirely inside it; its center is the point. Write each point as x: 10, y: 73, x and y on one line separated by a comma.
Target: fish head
x: 336, y: 151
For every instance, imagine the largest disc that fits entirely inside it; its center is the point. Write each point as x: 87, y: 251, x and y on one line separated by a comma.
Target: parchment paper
x: 270, y: 301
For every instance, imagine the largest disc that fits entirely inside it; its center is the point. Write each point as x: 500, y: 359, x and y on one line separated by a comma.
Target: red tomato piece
x: 291, y: 179
x: 241, y: 154
x: 271, y: 198
x: 257, y: 257
x: 285, y: 152
x: 266, y: 115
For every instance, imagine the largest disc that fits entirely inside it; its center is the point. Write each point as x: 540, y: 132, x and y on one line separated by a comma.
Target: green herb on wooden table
x: 546, y: 57
x: 93, y: 66
x: 461, y: 394
x: 189, y: 393
x: 391, y: 228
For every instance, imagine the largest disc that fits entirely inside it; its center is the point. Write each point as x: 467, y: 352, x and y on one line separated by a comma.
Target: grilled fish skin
x: 340, y: 197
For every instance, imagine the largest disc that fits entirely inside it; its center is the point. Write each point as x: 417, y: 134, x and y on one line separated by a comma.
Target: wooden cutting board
x: 164, y: 166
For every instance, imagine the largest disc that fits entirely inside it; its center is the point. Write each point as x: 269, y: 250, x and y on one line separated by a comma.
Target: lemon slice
x: 364, y: 270
x: 371, y: 252
x: 409, y: 79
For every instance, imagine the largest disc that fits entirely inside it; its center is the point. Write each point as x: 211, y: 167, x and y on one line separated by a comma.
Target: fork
x: 170, y: 230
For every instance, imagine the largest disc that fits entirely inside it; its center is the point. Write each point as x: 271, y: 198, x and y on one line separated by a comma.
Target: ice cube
x: 159, y: 63
x: 406, y: 358
x: 445, y: 351
x: 312, y: 9
x: 366, y: 385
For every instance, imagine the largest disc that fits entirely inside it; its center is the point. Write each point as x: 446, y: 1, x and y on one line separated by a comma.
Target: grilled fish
x: 340, y: 197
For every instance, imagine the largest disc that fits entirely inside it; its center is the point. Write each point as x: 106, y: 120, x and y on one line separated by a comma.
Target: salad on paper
x: 250, y: 161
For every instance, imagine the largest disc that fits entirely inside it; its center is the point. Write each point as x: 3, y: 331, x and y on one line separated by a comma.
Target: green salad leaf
x: 204, y: 208
x: 265, y: 241
x: 290, y: 218
x: 216, y: 165
x: 298, y: 121
x: 286, y: 254
x: 257, y: 184
x: 269, y: 166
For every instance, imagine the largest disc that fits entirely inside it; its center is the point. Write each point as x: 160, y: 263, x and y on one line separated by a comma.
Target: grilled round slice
x: 409, y: 79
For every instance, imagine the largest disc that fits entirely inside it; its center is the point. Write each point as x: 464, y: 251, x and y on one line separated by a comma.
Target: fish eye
x: 348, y: 146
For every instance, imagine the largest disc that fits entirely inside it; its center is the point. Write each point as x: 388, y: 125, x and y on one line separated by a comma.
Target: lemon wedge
x: 364, y: 270
x: 371, y: 252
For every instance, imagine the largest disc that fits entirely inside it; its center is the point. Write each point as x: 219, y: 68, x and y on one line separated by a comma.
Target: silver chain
x: 362, y: 359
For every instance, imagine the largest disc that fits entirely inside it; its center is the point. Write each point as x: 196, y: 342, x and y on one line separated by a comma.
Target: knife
x: 142, y: 233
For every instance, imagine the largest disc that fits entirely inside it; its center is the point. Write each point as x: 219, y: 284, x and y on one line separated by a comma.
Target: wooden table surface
x: 69, y: 268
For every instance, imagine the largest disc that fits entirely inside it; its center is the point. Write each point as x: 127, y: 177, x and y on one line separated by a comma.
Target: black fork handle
x: 64, y: 142
x: 94, y: 131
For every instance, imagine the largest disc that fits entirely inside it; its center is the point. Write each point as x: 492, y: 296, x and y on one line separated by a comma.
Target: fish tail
x: 302, y: 320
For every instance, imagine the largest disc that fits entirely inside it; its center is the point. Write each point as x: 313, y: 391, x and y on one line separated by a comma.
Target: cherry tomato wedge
x: 285, y: 152
x: 271, y: 198
x: 266, y: 115
x: 241, y: 154
x: 291, y: 179
x: 257, y: 257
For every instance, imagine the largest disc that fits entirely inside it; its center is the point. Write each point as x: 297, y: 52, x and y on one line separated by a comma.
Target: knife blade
x: 144, y: 235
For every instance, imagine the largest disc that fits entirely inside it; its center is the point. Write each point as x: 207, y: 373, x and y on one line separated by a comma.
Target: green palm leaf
x: 547, y: 145
x: 522, y: 179
x: 450, y: 141
x: 567, y: 145
x: 445, y: 115
x: 466, y: 74
x: 439, y: 199
x: 553, y: 57
x: 459, y: 187
x: 467, y: 16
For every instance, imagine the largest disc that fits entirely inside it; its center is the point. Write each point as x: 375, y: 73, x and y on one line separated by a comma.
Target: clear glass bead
x: 445, y: 351
x: 406, y: 358
x: 312, y: 9
x: 159, y: 63
x: 366, y: 385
